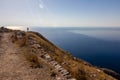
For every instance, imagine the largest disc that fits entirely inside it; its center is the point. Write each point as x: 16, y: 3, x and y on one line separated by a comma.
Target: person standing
x: 27, y: 29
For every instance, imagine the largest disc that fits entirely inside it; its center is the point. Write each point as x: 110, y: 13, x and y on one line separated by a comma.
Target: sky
x: 60, y: 13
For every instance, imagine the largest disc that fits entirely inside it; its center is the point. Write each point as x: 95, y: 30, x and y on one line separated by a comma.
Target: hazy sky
x: 60, y: 13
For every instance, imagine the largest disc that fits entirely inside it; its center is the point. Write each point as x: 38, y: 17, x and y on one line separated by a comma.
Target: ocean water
x: 98, y: 46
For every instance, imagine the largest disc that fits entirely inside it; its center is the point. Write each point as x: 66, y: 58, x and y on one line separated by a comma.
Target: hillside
x: 30, y: 56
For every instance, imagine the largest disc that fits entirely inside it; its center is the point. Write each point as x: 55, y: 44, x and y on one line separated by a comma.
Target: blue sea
x: 98, y: 46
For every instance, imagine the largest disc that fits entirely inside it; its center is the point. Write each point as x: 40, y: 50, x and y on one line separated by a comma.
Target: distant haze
x: 56, y: 13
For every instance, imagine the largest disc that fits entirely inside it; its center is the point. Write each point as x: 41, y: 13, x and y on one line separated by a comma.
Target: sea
x: 96, y: 45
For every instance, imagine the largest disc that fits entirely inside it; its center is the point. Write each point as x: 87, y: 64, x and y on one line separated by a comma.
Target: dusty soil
x: 13, y: 65
x: 15, y: 60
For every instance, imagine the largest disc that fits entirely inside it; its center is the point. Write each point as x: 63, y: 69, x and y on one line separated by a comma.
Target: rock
x: 2, y: 29
x: 72, y: 79
x: 47, y: 56
x: 58, y: 66
x: 94, y: 75
x: 36, y: 46
x: 74, y: 58
x: 20, y: 34
x: 98, y: 70
x: 32, y: 41
x: 58, y: 78
x: 65, y: 63
x: 111, y: 73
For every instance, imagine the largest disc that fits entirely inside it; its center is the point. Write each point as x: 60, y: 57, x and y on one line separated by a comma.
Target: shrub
x: 53, y: 74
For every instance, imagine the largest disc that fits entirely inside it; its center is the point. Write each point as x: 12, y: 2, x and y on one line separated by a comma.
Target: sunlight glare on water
x: 111, y: 35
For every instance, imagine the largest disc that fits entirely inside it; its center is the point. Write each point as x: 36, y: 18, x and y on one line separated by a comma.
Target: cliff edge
x: 30, y: 56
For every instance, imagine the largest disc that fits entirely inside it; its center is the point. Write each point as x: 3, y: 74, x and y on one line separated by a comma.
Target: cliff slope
x: 30, y: 56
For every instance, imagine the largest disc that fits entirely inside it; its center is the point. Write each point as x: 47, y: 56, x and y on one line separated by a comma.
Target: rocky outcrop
x: 33, y: 57
x: 3, y: 29
x: 64, y: 74
x: 20, y: 34
x: 111, y: 73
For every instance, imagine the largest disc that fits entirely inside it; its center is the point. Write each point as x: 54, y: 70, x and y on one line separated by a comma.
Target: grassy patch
x: 32, y: 59
x: 78, y: 68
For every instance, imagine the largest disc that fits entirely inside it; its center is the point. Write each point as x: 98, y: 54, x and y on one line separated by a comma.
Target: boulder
x: 111, y: 73
x: 20, y: 34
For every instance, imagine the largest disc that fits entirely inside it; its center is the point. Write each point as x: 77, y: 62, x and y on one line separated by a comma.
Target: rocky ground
x: 29, y: 56
x: 13, y: 65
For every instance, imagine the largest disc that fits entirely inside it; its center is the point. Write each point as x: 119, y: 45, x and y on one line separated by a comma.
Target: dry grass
x: 31, y: 58
x: 21, y: 42
x: 79, y: 69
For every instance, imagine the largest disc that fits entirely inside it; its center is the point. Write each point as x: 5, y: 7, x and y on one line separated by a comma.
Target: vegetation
x: 32, y: 59
x: 79, y: 69
x: 53, y: 74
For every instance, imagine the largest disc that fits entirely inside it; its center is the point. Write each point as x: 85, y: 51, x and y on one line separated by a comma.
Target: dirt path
x: 14, y: 67
x: 7, y: 44
x: 8, y: 57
